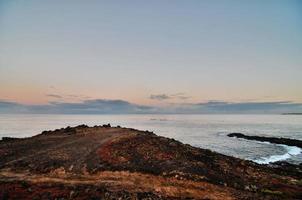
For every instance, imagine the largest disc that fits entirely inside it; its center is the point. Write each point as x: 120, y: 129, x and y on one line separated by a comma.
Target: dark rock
x: 82, y: 126
x: 106, y: 125
x: 9, y: 139
x: 286, y: 141
x: 68, y: 130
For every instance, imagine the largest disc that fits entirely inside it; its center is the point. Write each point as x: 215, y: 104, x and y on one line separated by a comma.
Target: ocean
x: 205, y: 131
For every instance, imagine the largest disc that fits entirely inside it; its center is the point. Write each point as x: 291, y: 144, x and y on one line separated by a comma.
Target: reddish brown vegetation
x: 110, y: 163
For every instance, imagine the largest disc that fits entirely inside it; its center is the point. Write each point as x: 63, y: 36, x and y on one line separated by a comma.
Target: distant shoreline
x: 291, y: 113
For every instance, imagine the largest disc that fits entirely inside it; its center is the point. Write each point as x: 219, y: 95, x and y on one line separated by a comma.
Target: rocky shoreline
x: 274, y: 140
x: 104, y: 162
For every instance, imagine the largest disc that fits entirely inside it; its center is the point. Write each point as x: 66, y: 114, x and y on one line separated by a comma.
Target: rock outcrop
x: 274, y: 140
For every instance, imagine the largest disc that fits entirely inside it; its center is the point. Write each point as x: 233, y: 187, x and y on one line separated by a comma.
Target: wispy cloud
x: 100, y: 106
x: 161, y: 97
x: 78, y: 96
x: 247, y: 107
x: 68, y: 97
x: 54, y: 96
x: 104, y: 106
x: 97, y: 106
x: 11, y: 107
x: 182, y: 96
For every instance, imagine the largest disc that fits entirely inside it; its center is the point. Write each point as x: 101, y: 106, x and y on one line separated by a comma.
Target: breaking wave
x: 291, y: 151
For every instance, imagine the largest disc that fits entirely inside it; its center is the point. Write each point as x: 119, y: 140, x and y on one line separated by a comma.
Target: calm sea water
x: 206, y: 131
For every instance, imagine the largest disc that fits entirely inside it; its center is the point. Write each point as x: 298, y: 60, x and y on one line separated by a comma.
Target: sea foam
x: 291, y: 151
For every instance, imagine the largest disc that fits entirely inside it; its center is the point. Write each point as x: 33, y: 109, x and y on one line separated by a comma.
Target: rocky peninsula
x: 104, y: 162
x: 274, y: 140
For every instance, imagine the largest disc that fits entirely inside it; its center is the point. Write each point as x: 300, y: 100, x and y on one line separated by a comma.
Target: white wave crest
x: 291, y: 151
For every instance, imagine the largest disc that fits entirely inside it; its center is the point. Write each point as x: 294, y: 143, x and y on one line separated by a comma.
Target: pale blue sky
x: 189, y: 51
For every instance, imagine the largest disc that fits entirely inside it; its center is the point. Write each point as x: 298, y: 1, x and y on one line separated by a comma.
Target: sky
x: 150, y: 56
